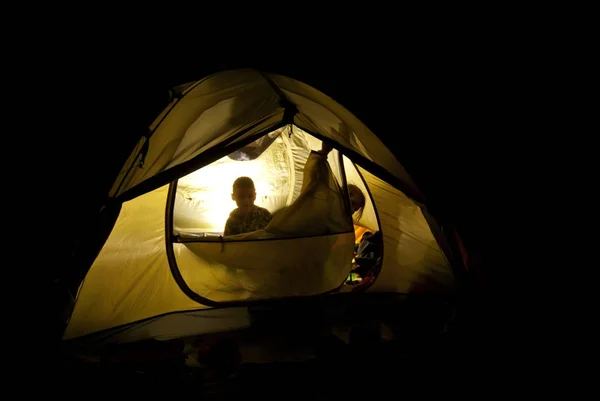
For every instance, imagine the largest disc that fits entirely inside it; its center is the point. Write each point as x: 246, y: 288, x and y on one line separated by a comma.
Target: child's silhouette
x: 247, y: 216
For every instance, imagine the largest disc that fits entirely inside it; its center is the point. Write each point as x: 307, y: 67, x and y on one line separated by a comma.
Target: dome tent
x: 154, y: 278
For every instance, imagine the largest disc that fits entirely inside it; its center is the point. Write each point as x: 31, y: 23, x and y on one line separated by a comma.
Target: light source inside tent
x: 203, y: 200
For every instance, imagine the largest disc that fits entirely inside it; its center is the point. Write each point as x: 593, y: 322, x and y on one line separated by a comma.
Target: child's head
x: 244, y: 193
x: 357, y: 200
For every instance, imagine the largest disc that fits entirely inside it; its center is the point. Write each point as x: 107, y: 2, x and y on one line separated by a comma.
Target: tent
x: 163, y: 268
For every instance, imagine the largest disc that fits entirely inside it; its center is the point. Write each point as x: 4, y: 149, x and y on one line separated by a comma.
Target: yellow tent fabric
x: 240, y: 99
x: 412, y: 259
x: 131, y: 279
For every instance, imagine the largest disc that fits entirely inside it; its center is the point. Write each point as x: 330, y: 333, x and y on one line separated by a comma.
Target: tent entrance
x: 305, y: 249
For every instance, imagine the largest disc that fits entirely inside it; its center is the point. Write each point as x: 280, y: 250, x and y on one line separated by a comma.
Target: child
x: 247, y: 216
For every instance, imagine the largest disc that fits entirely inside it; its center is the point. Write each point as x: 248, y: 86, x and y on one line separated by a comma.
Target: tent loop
x: 144, y: 150
x: 289, y: 109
